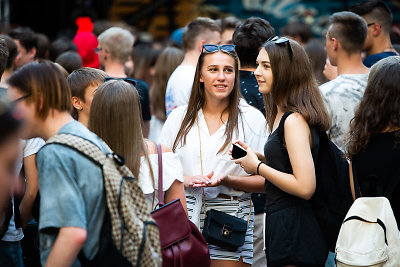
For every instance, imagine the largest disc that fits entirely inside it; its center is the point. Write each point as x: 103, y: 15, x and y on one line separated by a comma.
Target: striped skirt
x: 239, y: 208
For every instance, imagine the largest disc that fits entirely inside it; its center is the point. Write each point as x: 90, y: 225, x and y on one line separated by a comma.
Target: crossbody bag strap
x: 160, y: 176
x: 201, y: 163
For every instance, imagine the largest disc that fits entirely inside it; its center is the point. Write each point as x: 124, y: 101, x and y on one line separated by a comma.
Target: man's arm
x: 66, y: 248
x: 31, y: 189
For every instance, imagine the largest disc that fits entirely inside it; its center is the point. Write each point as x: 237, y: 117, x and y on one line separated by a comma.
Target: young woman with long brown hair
x: 115, y: 117
x: 374, y: 138
x: 293, y: 106
x: 201, y: 133
x: 166, y: 63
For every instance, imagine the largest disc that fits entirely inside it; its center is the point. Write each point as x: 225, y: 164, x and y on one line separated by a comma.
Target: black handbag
x: 221, y: 229
x: 224, y: 230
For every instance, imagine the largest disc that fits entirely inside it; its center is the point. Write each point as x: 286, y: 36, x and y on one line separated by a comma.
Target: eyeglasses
x: 128, y: 80
x: 370, y: 24
x: 21, y: 98
x: 212, y: 48
x: 98, y: 49
x: 282, y: 40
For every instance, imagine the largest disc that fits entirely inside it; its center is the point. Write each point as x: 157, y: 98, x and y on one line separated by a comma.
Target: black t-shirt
x: 143, y: 90
x: 380, y: 162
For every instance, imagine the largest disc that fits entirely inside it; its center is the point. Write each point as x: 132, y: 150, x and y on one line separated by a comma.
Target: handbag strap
x: 160, y: 176
x: 201, y: 165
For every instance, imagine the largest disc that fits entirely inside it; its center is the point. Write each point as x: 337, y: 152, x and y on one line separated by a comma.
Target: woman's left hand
x: 249, y: 162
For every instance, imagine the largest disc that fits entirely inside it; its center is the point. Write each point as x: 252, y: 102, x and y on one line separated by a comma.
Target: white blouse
x: 252, y: 130
x: 172, y: 170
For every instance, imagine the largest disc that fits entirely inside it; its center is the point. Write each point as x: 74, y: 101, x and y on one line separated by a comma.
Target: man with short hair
x: 344, y: 42
x: 115, y: 47
x: 197, y: 33
x: 228, y: 26
x: 84, y: 83
x: 27, y: 45
x: 72, y: 203
x: 299, y: 31
x: 12, y: 54
x: 249, y: 37
x: 379, y: 21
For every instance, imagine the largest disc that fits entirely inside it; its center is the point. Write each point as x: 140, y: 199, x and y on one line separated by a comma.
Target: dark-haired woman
x: 374, y: 139
x: 293, y: 106
x: 201, y: 133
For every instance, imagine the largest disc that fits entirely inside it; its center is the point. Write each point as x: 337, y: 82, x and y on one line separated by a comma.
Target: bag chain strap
x: 201, y: 165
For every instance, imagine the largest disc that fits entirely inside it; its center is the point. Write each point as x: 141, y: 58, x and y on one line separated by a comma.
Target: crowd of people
x: 220, y: 83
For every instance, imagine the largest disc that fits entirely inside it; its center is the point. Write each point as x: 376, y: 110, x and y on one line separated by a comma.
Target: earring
x: 80, y: 108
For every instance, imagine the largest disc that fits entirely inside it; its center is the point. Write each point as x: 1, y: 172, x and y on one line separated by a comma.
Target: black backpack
x: 332, y: 198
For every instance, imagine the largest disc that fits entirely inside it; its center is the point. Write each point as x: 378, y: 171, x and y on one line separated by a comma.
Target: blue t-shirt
x: 372, y: 59
x: 71, y: 192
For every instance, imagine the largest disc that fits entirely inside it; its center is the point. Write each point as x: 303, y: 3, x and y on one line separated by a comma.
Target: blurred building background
x: 161, y: 17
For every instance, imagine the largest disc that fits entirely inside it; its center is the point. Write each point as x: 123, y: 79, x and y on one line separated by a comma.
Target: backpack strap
x: 356, y: 185
x: 160, y: 177
x: 81, y: 145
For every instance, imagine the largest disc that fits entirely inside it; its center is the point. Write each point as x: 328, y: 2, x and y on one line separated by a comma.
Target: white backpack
x: 369, y: 235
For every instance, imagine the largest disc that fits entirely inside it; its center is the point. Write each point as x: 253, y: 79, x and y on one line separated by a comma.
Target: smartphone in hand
x: 238, y: 151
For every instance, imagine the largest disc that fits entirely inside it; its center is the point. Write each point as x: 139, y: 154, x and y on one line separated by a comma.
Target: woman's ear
x: 76, y: 102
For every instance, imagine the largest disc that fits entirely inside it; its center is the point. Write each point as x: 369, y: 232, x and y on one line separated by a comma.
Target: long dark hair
x: 379, y: 109
x: 294, y: 87
x: 197, y: 101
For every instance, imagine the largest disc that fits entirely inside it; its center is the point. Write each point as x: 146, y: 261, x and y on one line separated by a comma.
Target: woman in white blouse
x: 115, y: 117
x: 201, y: 133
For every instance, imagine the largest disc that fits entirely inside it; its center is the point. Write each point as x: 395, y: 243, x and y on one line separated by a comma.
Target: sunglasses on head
x: 281, y: 41
x: 212, y: 48
x: 128, y: 80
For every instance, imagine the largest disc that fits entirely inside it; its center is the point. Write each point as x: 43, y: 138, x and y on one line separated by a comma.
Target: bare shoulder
x: 152, y: 147
x: 296, y: 124
x: 165, y: 148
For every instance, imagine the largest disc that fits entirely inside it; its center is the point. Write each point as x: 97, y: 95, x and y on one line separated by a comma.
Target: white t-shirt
x: 179, y: 87
x: 252, y: 130
x: 28, y: 147
x: 172, y: 170
x: 342, y: 96
x: 155, y: 128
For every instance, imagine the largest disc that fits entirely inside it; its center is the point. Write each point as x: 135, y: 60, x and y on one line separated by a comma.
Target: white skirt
x: 239, y: 208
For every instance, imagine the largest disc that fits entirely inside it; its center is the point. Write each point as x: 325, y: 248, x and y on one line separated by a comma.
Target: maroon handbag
x: 182, y: 243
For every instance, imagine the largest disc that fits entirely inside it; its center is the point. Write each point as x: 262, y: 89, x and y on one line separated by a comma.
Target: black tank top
x: 277, y: 157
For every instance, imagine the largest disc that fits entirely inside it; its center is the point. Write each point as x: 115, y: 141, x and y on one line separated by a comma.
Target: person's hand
x: 197, y: 180
x: 330, y: 72
x: 249, y: 162
x: 215, y: 180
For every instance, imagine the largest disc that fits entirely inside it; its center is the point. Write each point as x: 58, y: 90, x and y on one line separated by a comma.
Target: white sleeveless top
x: 172, y: 170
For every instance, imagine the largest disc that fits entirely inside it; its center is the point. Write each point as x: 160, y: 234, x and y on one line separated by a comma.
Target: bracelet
x: 258, y: 167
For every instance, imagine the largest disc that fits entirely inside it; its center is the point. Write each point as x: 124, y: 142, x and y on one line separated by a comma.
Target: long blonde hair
x: 115, y: 116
